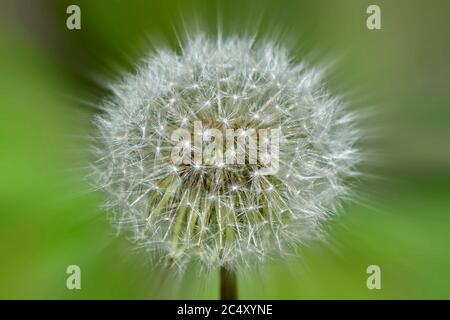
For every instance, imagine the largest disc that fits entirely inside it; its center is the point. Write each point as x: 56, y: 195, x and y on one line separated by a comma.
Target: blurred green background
x: 52, y: 80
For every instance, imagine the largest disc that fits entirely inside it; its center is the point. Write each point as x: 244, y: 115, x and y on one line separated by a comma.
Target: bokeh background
x: 52, y: 79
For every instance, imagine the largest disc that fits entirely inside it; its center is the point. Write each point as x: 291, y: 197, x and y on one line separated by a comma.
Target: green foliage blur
x: 52, y: 80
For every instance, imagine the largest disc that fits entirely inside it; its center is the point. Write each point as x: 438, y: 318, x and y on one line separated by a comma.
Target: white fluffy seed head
x: 227, y: 214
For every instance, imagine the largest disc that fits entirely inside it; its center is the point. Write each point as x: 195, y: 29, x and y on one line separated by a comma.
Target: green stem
x: 228, y: 284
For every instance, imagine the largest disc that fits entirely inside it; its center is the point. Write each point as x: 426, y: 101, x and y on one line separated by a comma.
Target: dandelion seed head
x: 224, y: 214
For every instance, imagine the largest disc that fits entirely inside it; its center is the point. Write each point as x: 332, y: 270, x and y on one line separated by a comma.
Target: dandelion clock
x: 226, y: 154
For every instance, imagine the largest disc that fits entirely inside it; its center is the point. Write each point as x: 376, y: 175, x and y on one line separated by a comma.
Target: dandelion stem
x: 228, y: 284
